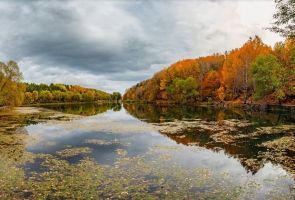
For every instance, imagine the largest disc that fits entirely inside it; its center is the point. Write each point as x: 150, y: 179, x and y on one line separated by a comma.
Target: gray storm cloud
x: 111, y: 45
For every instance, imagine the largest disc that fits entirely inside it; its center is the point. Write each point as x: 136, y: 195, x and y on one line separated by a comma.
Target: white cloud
x: 111, y: 45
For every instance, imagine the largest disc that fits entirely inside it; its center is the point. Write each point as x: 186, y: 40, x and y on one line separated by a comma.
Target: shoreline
x: 222, y: 105
x: 69, y: 103
x: 226, y: 104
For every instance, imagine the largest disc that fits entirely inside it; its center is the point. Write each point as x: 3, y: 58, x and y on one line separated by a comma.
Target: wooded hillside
x: 250, y: 73
x: 15, y: 93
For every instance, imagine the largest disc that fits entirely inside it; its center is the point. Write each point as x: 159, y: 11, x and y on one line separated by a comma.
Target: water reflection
x: 154, y: 113
x: 129, y: 142
x: 246, y: 144
x: 84, y: 109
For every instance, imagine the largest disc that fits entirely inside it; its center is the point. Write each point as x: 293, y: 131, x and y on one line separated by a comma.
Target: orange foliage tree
x: 217, y: 77
x: 236, y: 68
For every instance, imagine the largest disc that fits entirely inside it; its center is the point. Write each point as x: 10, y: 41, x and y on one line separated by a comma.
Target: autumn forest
x: 252, y: 73
x: 15, y: 93
x: 134, y: 100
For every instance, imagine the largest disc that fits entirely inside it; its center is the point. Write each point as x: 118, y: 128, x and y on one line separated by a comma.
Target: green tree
x: 68, y: 96
x: 58, y: 87
x: 45, y: 96
x: 76, y: 97
x: 88, y: 96
x: 57, y: 95
x: 183, y: 90
x: 116, y: 96
x: 35, y: 96
x: 268, y: 76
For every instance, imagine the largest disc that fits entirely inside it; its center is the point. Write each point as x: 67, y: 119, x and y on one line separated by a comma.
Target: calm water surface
x: 110, y: 135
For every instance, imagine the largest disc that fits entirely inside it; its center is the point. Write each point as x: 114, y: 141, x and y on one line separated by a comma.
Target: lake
x: 143, y: 151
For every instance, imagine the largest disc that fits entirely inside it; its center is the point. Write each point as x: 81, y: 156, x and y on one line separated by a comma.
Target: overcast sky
x: 111, y: 45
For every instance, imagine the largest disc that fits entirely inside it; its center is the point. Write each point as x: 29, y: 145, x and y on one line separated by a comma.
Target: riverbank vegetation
x: 15, y: 93
x: 252, y: 73
x: 42, y: 93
